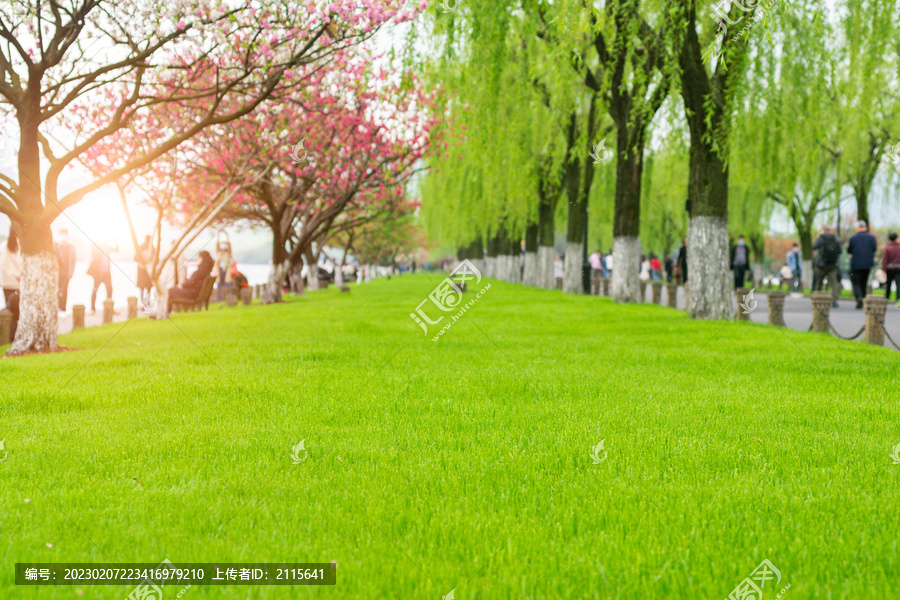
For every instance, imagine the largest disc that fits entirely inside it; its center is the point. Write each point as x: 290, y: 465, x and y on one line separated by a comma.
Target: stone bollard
x: 108, y: 311
x: 875, y: 308
x: 821, y: 307
x: 657, y: 292
x: 643, y: 297
x: 595, y: 286
x: 246, y: 296
x: 132, y: 307
x: 257, y: 291
x: 741, y: 297
x: 672, y: 295
x: 345, y: 289
x: 606, y: 287
x: 5, y: 327
x: 559, y: 283
x: 231, y: 300
x: 78, y: 316
x: 776, y: 308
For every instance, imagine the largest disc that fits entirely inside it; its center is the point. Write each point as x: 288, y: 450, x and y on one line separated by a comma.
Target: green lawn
x: 459, y: 464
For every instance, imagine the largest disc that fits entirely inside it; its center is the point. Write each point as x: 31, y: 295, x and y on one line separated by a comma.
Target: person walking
x: 890, y: 263
x: 65, y: 256
x: 682, y: 262
x: 609, y: 265
x: 644, y: 273
x: 669, y: 267
x: 190, y: 289
x: 143, y: 257
x: 11, y: 277
x: 861, y: 248
x: 740, y: 261
x: 224, y: 262
x: 98, y: 269
x: 655, y: 268
x: 596, y: 265
x: 795, y: 264
x: 826, y: 264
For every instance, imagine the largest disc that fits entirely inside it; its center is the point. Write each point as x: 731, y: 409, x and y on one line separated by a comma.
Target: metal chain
x: 834, y: 331
x: 886, y: 334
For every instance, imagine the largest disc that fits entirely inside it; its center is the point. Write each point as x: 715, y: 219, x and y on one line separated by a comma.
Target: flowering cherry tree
x: 337, y: 152
x: 75, y: 72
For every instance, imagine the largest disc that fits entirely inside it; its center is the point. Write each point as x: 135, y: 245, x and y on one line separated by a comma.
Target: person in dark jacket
x: 861, y: 248
x: 190, y: 289
x: 99, y: 270
x: 890, y: 262
x: 740, y: 261
x: 682, y: 261
x: 828, y: 254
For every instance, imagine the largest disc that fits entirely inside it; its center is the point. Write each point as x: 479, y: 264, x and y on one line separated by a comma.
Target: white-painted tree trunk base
x: 271, y: 292
x: 312, y: 277
x: 490, y: 266
x: 38, y: 305
x: 626, y: 275
x: 159, y: 308
x: 546, y: 264
x: 530, y: 275
x: 710, y: 278
x: 572, y: 282
x: 757, y: 275
x: 502, y: 270
x: 515, y: 268
x: 806, y: 276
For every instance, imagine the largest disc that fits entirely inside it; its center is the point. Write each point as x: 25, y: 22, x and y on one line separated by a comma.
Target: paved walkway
x: 846, y: 319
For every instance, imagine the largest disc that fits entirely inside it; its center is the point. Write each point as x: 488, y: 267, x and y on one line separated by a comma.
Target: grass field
x: 462, y: 464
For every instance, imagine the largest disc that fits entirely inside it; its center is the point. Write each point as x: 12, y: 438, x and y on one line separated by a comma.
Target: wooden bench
x: 202, y: 299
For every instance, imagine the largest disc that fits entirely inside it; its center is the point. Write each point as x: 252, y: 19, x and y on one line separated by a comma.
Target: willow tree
x: 711, y: 64
x: 628, y: 77
x: 497, y: 146
x: 866, y: 82
x: 791, y: 128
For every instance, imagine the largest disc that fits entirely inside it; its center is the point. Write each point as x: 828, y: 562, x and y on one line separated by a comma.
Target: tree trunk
x: 709, y: 276
x: 272, y: 290
x: 490, y: 261
x: 515, y: 261
x: 546, y: 252
x: 529, y: 276
x: 295, y: 278
x: 627, y: 220
x: 626, y: 273
x: 38, y: 303
x: 38, y: 326
x: 312, y: 274
x: 572, y: 280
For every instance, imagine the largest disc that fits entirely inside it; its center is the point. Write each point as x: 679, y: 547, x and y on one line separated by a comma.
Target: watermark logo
x: 895, y: 453
x: 751, y: 588
x: 450, y: 595
x: 4, y: 452
x: 600, y: 154
x: 720, y: 14
x: 148, y: 302
x: 595, y: 452
x: 449, y: 6
x: 295, y: 155
x: 749, y: 303
x: 447, y: 297
x: 893, y: 154
x: 148, y: 590
x: 296, y: 450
